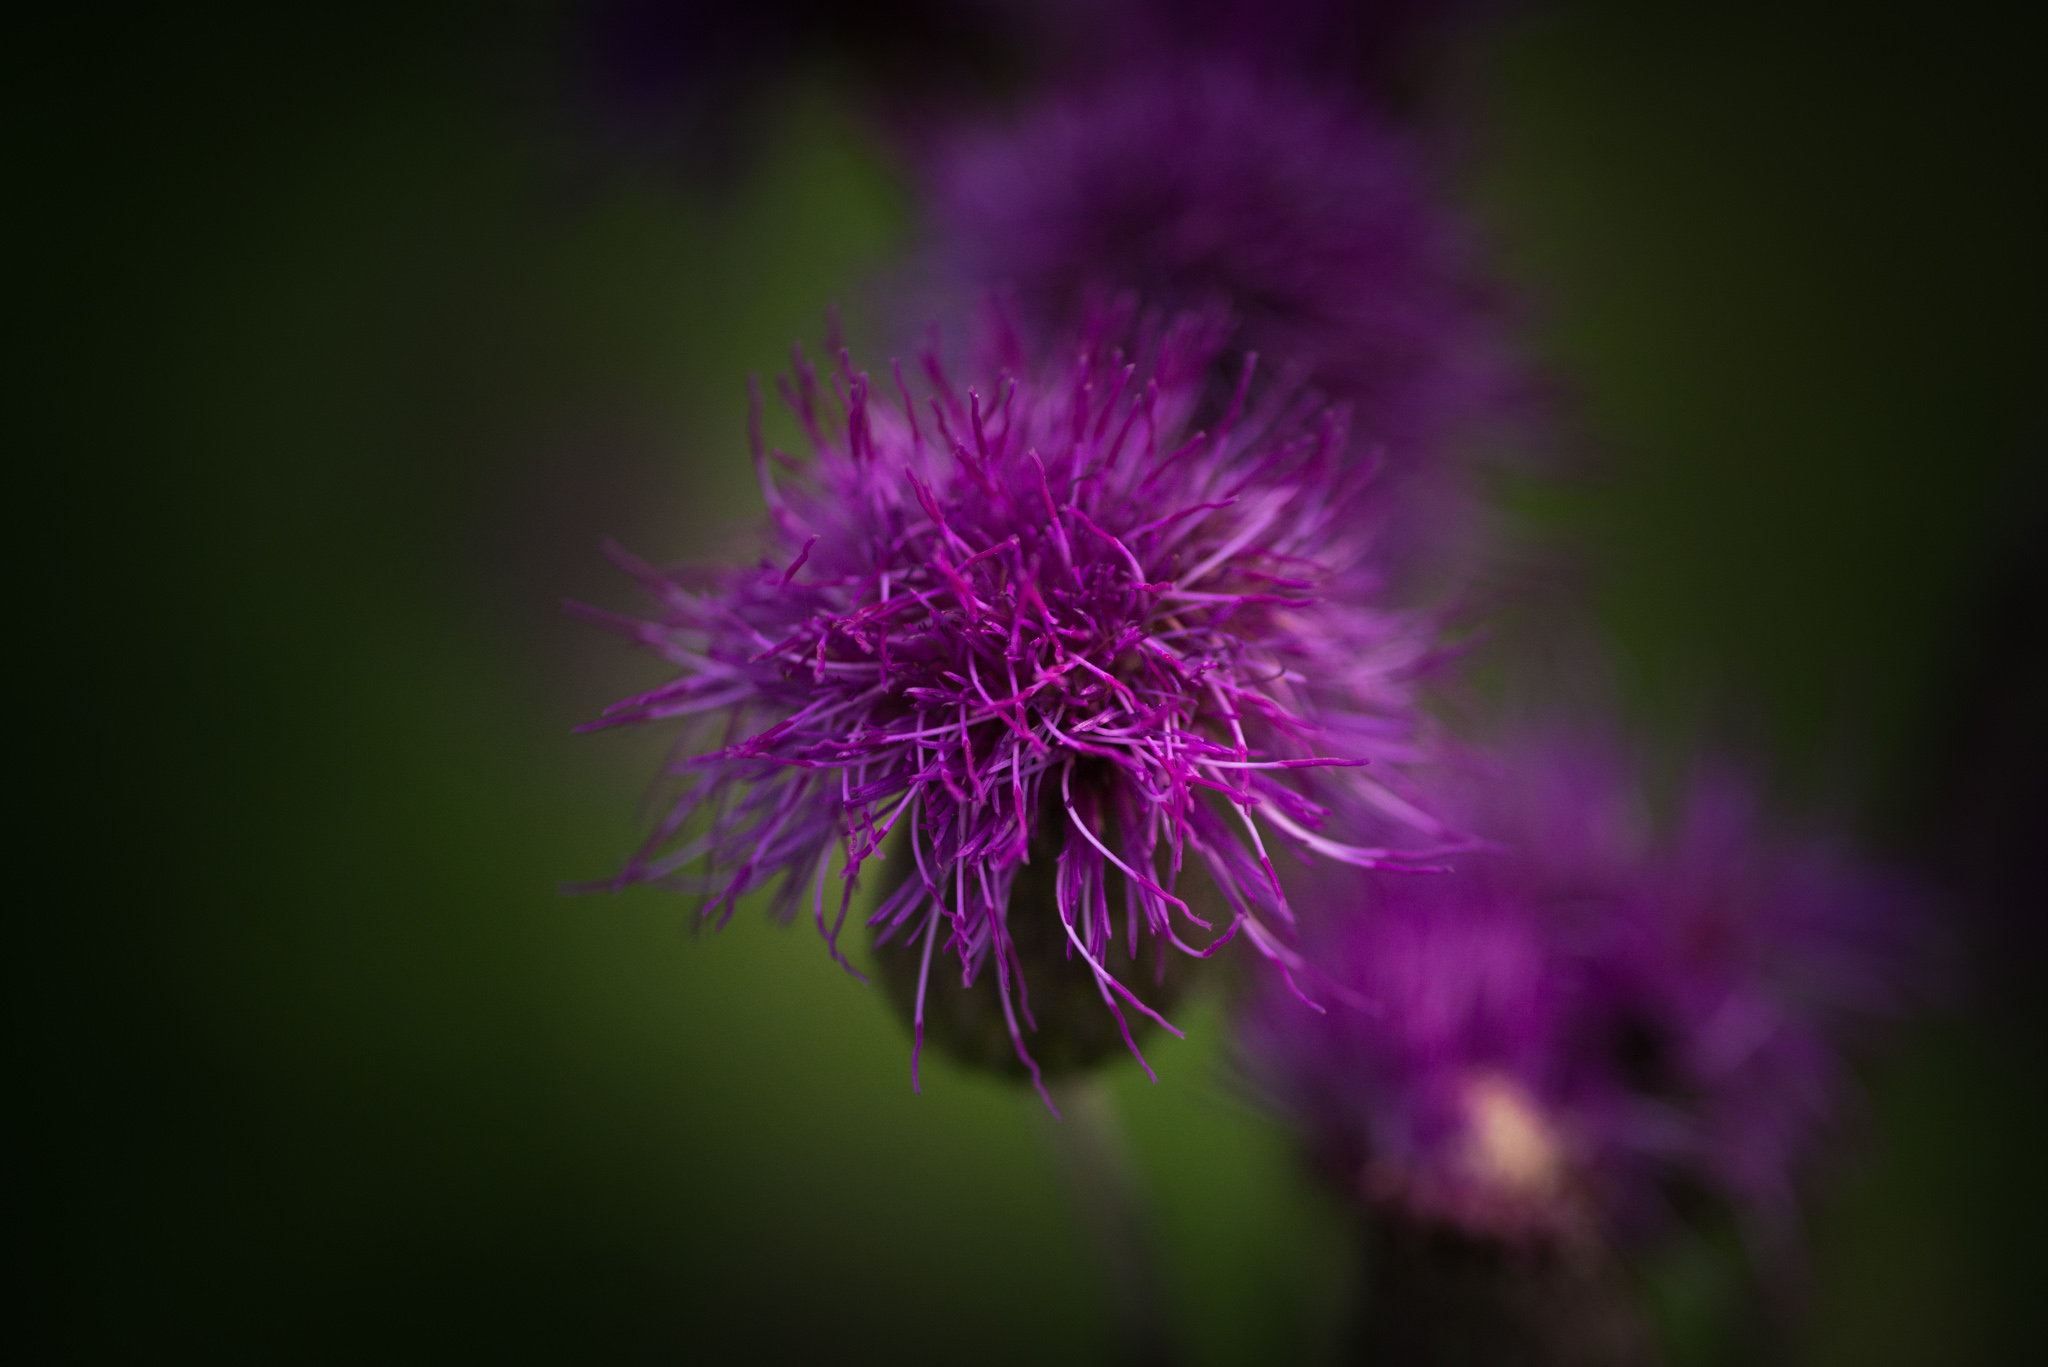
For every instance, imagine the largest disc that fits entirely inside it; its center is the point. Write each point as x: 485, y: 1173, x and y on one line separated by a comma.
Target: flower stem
x: 1094, y: 1157
x: 1438, y: 1295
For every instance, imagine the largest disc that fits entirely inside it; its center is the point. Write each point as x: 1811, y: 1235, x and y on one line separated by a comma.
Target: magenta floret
x: 1051, y: 585
x: 1566, y: 1031
x: 1313, y: 220
x: 1376, y: 50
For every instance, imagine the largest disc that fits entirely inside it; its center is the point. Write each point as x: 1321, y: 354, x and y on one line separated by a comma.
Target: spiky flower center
x: 1059, y: 601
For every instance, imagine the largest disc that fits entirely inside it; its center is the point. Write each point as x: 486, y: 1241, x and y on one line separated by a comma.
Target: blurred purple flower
x: 1045, y: 600
x: 1565, y: 1034
x: 1369, y: 47
x: 1314, y: 223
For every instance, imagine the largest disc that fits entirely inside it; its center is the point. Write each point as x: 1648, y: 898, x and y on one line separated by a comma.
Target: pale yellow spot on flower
x: 1510, y: 1147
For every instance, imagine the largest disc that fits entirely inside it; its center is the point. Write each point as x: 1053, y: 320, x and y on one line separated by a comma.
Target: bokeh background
x: 344, y: 335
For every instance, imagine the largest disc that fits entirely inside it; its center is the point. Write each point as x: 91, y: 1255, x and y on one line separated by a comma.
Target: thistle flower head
x: 1041, y: 611
x: 1372, y: 47
x: 1573, y: 1029
x: 1312, y: 221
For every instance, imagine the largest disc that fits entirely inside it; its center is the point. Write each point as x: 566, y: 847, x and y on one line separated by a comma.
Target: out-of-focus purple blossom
x: 1370, y: 48
x: 1043, y: 588
x: 1562, y: 1035
x: 1313, y: 222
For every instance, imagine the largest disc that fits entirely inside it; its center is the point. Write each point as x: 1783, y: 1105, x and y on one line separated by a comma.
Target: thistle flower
x: 1044, y: 611
x: 1560, y: 1037
x: 1371, y: 47
x: 1313, y: 222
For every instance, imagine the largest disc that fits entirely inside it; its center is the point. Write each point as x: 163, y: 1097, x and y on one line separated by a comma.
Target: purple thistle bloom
x: 1371, y: 47
x: 1311, y: 221
x: 1550, y: 1038
x: 1043, y: 600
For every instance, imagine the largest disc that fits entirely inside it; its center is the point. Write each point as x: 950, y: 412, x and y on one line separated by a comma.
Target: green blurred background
x: 347, y: 336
